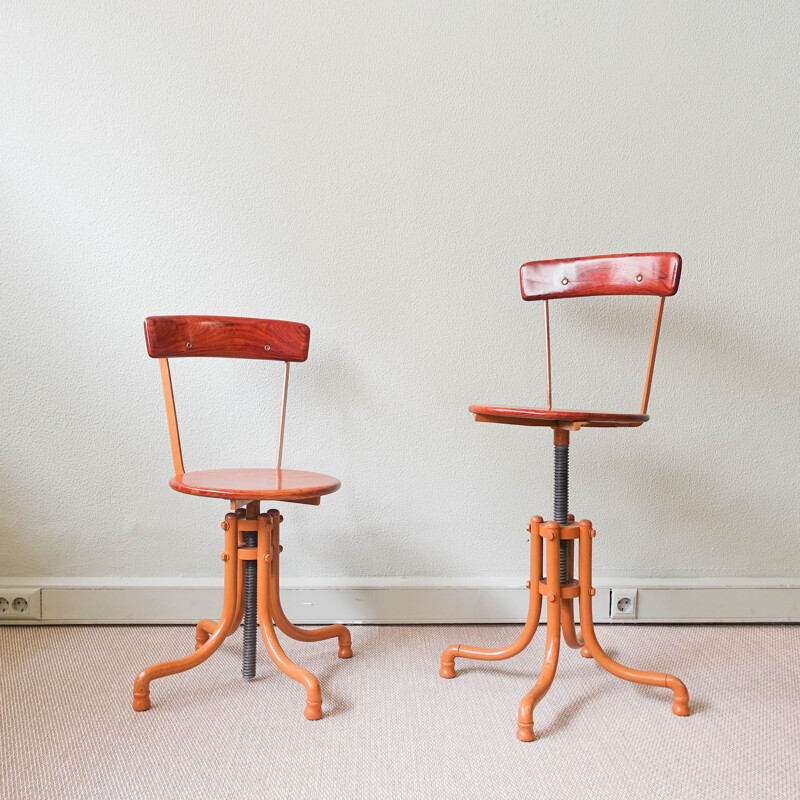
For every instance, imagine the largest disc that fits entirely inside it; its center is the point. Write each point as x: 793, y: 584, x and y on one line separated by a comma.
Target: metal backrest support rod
x: 283, y: 415
x: 652, y: 361
x: 650, y: 364
x: 172, y: 418
x: 548, y: 374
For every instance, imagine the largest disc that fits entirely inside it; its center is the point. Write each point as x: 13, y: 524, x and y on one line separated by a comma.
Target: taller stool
x: 252, y: 538
x: 643, y: 273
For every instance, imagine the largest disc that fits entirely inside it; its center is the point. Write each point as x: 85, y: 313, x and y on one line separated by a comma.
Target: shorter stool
x: 252, y: 539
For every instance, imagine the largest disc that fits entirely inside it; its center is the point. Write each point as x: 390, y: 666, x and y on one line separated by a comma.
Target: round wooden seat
x: 551, y: 416
x: 256, y: 484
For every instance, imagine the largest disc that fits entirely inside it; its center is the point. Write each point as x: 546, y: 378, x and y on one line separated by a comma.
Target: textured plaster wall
x: 379, y: 171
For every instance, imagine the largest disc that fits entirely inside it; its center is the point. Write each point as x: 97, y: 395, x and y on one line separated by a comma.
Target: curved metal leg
x: 313, y: 709
x: 548, y: 673
x: 238, y: 615
x: 278, y: 615
x: 206, y: 627
x: 680, y: 695
x: 141, y: 686
x: 571, y: 636
x: 447, y: 667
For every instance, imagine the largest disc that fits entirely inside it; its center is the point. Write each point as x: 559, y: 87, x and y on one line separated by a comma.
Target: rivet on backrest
x: 564, y: 281
x: 188, y: 345
x: 267, y: 347
x: 639, y: 278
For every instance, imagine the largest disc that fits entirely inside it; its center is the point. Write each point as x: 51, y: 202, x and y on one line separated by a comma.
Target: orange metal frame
x: 560, y: 619
x: 210, y: 635
x: 230, y: 337
x: 561, y: 596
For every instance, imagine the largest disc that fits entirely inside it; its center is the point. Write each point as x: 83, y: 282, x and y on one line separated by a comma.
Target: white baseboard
x: 171, y: 601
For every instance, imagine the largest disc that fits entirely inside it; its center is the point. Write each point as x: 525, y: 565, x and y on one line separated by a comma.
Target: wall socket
x: 623, y: 603
x: 20, y: 603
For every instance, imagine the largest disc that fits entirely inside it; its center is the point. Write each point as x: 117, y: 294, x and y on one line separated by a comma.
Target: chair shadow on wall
x: 341, y: 388
x: 708, y: 352
x: 723, y: 345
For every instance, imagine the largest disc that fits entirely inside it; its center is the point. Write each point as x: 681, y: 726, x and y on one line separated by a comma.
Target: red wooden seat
x: 256, y: 484
x: 550, y: 417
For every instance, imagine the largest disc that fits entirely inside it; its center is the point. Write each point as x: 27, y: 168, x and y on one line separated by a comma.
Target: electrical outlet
x: 623, y: 603
x: 21, y: 603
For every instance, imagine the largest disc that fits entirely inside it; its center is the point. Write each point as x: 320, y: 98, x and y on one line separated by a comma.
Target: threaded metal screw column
x: 250, y: 611
x: 561, y: 504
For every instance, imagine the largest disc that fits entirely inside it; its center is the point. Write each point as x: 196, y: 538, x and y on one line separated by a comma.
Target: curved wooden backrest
x: 226, y: 337
x: 655, y: 274
x: 636, y: 273
x: 222, y: 337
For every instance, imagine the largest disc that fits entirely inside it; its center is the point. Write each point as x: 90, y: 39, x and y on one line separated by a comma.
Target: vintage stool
x: 252, y: 539
x: 649, y: 274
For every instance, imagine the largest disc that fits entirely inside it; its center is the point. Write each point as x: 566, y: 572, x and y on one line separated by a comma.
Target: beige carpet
x: 393, y: 728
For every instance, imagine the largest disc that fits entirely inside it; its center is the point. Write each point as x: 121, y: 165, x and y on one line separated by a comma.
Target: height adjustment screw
x: 225, y: 556
x: 267, y: 557
x: 592, y: 592
x: 528, y: 585
x: 224, y: 525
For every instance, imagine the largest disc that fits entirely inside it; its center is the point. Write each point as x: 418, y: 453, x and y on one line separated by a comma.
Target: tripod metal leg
x: 239, y: 613
x: 571, y: 636
x: 680, y: 695
x: 548, y: 673
x: 561, y: 589
x: 278, y: 615
x: 141, y: 686
x: 313, y: 709
x: 206, y: 627
x: 447, y: 667
x: 249, y: 551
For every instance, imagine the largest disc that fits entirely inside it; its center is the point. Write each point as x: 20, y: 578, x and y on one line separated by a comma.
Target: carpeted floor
x: 392, y: 727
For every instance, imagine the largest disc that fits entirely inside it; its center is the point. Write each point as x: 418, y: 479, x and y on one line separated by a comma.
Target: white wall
x: 380, y: 171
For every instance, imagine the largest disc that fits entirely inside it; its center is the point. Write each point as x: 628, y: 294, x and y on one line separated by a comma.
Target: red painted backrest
x: 226, y: 337
x: 222, y: 337
x: 637, y: 273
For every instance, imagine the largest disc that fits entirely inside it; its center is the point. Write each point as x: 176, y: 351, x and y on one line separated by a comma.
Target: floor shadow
x: 563, y: 717
x: 486, y: 668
